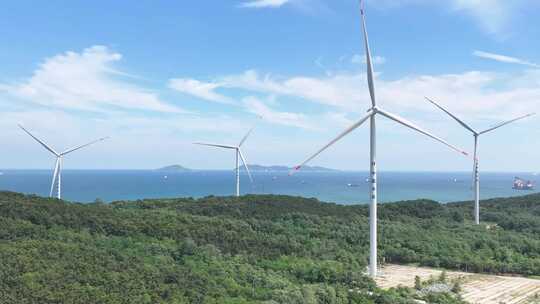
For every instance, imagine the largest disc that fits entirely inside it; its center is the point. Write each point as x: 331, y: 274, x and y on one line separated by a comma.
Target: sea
x: 337, y: 187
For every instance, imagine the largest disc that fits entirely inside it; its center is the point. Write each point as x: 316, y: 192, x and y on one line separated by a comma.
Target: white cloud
x: 251, y: 82
x: 479, y: 95
x: 505, y: 59
x: 334, y: 91
x: 361, y: 59
x: 202, y: 90
x: 86, y: 81
x: 339, y: 90
x: 259, y: 108
x: 493, y: 16
x: 264, y: 3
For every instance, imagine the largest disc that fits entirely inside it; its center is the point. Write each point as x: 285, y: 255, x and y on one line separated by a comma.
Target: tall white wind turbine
x: 476, y: 134
x: 239, y: 154
x: 57, y: 173
x: 371, y: 114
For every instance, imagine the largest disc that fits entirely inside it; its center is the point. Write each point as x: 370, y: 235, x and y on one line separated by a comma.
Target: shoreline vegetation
x: 251, y: 249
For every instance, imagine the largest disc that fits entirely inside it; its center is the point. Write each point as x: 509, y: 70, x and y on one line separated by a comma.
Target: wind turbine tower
x: 371, y: 115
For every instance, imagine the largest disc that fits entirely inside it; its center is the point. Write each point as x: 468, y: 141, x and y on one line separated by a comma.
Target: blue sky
x: 157, y: 76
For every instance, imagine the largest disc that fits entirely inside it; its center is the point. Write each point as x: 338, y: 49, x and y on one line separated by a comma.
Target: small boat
x: 353, y: 185
x: 521, y: 184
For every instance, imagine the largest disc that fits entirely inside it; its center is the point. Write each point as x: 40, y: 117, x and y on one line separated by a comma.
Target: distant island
x: 173, y: 168
x: 261, y: 168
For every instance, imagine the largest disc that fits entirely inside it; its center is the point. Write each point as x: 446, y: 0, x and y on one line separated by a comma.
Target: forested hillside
x: 252, y: 249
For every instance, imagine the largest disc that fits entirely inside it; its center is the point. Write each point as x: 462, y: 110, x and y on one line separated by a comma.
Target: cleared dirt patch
x: 477, y: 289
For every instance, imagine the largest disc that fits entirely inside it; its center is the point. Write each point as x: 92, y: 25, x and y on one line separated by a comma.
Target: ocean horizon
x: 343, y: 187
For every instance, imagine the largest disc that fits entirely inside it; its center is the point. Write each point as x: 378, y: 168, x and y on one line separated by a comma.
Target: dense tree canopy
x: 252, y: 249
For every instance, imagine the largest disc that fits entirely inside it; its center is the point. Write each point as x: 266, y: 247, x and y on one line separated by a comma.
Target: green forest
x: 252, y: 249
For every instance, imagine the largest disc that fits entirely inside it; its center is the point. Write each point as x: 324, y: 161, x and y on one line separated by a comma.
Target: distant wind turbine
x: 372, y: 113
x: 476, y: 174
x: 57, y: 174
x: 238, y: 155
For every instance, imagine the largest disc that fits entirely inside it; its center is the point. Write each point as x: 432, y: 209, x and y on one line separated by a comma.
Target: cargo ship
x: 521, y: 184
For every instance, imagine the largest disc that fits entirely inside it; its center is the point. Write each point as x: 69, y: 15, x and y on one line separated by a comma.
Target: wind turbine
x: 476, y: 134
x: 238, y: 155
x: 372, y: 113
x: 57, y: 174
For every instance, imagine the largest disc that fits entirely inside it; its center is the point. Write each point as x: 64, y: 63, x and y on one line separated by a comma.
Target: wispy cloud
x: 505, y: 59
x: 471, y: 93
x: 338, y: 90
x: 493, y: 16
x: 202, y: 90
x: 86, y: 81
x: 255, y: 106
x: 361, y: 59
x: 264, y: 3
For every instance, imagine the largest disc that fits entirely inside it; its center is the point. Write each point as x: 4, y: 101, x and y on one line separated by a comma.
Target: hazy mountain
x: 173, y: 168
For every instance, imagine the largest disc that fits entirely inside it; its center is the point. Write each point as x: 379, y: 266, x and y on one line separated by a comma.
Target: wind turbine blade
x: 340, y: 136
x: 55, y: 173
x: 85, y: 145
x: 418, y: 129
x: 506, y: 122
x: 215, y: 145
x: 39, y: 141
x: 451, y: 115
x: 369, y: 62
x: 246, y: 136
x: 245, y: 164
